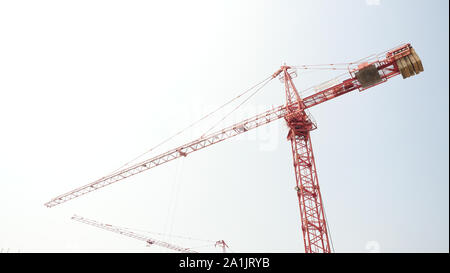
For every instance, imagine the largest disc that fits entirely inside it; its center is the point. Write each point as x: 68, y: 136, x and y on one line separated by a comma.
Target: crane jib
x: 402, y: 60
x: 184, y: 150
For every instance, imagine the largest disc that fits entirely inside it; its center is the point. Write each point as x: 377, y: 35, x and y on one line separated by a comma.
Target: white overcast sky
x: 85, y: 86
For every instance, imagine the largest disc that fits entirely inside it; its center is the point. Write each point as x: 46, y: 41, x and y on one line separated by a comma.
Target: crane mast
x: 362, y: 75
x: 314, y: 226
x: 222, y: 245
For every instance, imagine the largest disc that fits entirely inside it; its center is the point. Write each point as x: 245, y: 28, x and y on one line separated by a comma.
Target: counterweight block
x: 368, y: 76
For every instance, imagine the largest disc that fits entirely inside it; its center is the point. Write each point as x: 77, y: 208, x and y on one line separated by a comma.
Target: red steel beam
x: 131, y: 234
x: 387, y: 69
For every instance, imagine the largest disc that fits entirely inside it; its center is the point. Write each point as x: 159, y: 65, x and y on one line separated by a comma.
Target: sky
x: 86, y: 86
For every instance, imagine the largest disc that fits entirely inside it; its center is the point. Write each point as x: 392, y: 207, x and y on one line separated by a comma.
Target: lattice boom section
x: 330, y: 93
x: 131, y: 234
x: 314, y: 227
x: 386, y: 69
x: 242, y: 127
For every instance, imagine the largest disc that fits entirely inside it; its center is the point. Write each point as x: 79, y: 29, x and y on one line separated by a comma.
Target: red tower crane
x: 150, y: 241
x: 362, y: 75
